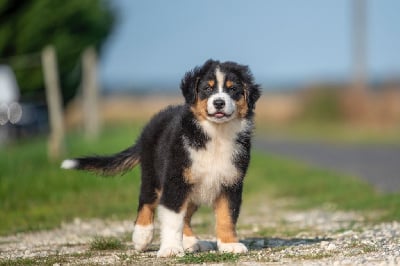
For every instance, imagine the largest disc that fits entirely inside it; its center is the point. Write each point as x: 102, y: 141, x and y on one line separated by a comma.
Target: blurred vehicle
x: 18, y: 119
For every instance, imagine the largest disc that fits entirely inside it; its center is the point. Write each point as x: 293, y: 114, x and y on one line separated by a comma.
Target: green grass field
x: 36, y: 194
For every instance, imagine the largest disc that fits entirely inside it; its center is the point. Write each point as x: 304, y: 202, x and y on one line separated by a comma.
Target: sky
x: 157, y: 41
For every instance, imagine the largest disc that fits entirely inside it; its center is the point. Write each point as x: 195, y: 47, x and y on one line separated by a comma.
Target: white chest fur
x: 213, y: 166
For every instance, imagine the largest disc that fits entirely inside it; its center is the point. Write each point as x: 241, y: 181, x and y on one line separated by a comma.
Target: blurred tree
x: 27, y: 26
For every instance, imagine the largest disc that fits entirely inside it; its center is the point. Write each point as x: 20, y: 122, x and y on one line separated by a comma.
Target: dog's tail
x: 107, y: 165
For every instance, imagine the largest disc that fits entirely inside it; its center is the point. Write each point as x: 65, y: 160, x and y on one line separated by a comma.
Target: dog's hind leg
x: 144, y: 224
x: 171, y: 213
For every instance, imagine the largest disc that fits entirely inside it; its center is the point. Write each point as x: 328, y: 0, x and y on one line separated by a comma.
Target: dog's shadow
x: 258, y: 243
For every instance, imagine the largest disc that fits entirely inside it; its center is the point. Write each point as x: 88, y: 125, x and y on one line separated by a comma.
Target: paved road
x: 378, y: 164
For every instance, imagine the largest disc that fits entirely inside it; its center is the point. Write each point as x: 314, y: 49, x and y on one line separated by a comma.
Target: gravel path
x: 274, y: 235
x: 377, y: 164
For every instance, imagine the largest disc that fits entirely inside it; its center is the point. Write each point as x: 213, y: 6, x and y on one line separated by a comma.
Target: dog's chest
x: 213, y: 167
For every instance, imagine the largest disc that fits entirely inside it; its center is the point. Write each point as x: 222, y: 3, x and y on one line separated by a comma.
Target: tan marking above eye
x: 229, y: 84
x: 211, y: 83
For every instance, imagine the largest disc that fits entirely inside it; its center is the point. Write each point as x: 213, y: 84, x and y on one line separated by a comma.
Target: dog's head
x: 220, y: 92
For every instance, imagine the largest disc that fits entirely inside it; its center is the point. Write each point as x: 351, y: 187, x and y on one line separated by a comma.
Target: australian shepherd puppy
x: 191, y: 154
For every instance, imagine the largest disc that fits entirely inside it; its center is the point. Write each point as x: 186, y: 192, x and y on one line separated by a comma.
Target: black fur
x: 192, y: 132
x: 114, y: 164
x: 234, y: 196
x: 164, y: 144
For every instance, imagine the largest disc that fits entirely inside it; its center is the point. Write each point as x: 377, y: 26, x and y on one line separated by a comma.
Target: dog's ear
x: 189, y: 85
x: 251, y: 94
x: 190, y: 81
x: 252, y: 91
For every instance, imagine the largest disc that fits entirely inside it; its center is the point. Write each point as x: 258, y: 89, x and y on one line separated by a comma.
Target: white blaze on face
x: 226, y: 113
x: 220, y: 76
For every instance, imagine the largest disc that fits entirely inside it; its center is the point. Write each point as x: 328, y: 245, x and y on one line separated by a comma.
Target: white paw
x: 170, y: 252
x: 232, y: 247
x: 142, y: 236
x: 192, y: 244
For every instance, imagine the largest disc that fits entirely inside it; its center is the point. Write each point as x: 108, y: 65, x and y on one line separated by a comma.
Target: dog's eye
x: 208, y: 88
x: 233, y: 88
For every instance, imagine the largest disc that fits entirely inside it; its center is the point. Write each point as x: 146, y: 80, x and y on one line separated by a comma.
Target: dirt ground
x: 274, y: 234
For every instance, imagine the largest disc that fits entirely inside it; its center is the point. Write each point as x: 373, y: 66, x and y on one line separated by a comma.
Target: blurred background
x: 335, y: 61
x: 330, y: 73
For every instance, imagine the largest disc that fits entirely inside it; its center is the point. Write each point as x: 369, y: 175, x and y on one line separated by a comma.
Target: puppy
x: 191, y: 154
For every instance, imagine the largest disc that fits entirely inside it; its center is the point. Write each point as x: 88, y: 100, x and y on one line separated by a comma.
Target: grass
x: 364, y: 248
x: 106, y: 243
x: 310, y: 256
x: 200, y: 258
x: 311, y: 187
x: 67, y: 259
x: 36, y: 194
x: 48, y: 260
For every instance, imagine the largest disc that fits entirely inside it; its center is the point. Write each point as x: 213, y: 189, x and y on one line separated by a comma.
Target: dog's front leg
x: 226, y: 208
x: 171, y: 213
x: 171, y: 227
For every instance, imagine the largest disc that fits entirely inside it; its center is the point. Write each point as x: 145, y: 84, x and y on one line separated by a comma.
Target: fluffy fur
x: 192, y: 154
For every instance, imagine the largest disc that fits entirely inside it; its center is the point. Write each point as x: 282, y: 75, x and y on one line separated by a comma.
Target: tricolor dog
x: 191, y: 154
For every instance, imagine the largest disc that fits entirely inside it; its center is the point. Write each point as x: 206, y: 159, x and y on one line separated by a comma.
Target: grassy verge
x: 311, y: 187
x: 36, y: 194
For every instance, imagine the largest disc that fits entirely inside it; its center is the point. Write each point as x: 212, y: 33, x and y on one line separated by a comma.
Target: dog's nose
x: 219, y: 103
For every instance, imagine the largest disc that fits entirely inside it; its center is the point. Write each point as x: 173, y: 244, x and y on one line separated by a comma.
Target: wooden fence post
x: 90, y: 92
x: 56, y: 146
